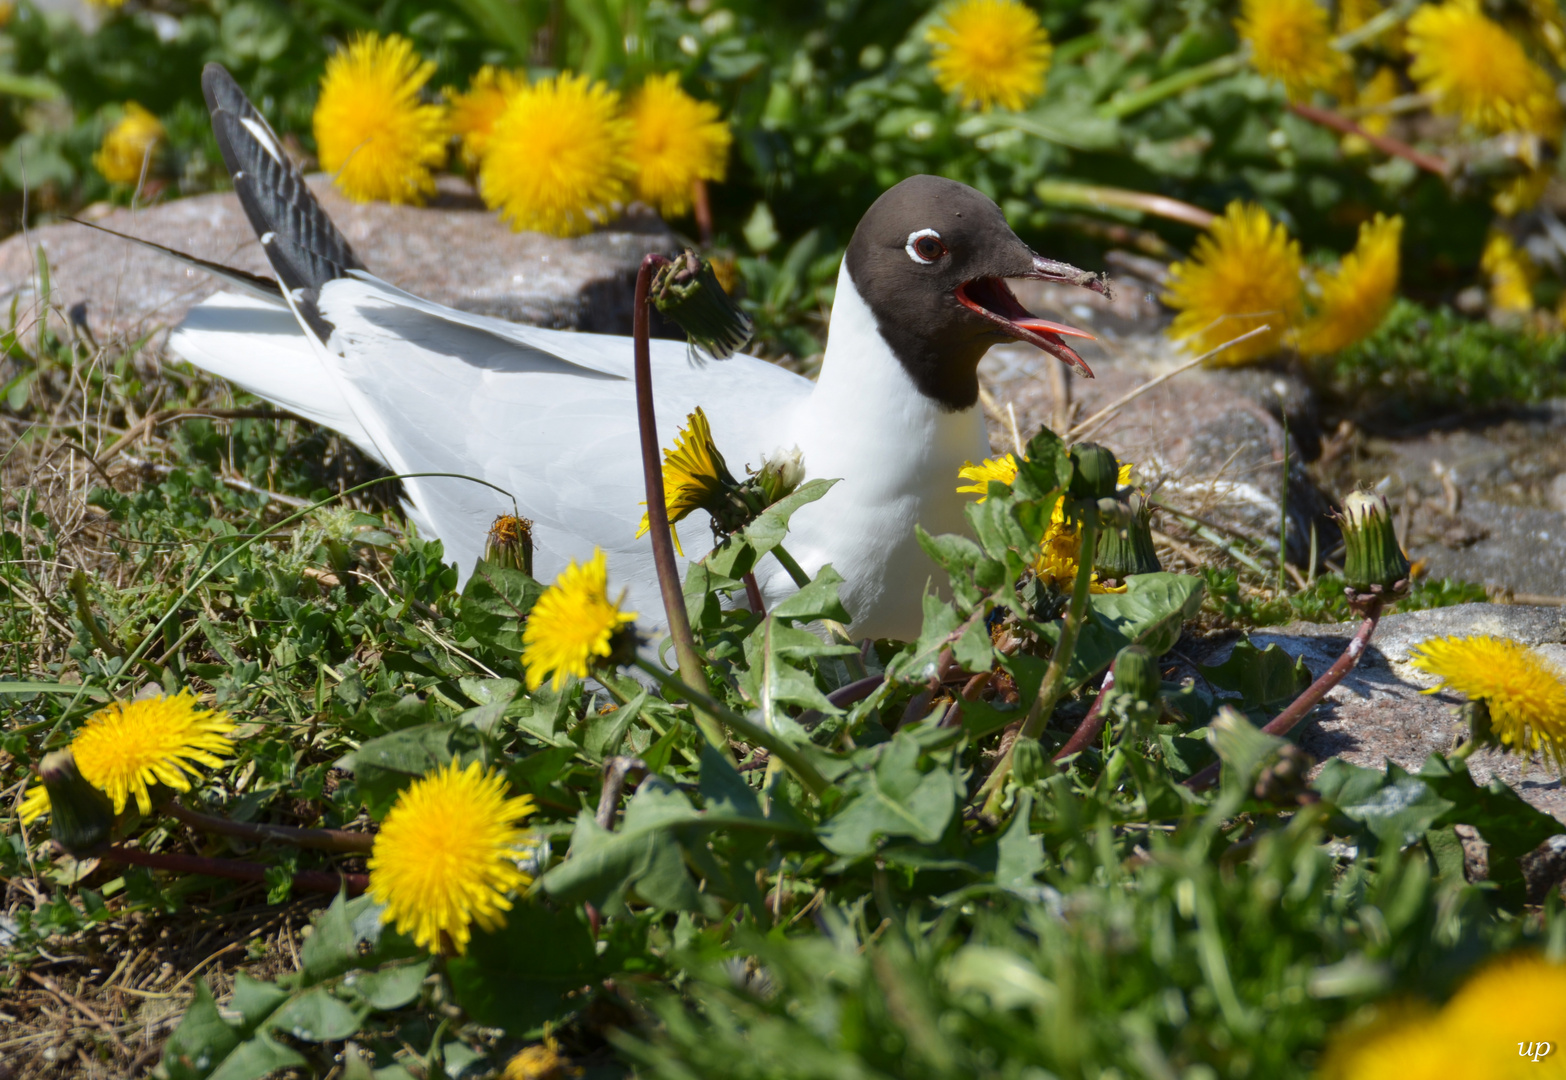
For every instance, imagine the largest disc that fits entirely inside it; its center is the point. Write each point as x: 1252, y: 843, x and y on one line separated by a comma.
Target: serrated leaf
x: 202, y: 1041
x: 894, y: 798
x: 817, y: 600
x: 1020, y: 853
x: 644, y: 856
x: 316, y: 1016
x: 349, y: 935
x: 389, y: 987
x: 1150, y: 613
x: 495, y: 604
x: 255, y: 1000
x: 920, y: 663
x: 257, y: 1057
x: 602, y: 733
x: 383, y: 767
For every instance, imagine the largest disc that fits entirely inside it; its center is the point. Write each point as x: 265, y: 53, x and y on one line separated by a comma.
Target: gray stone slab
x: 453, y: 252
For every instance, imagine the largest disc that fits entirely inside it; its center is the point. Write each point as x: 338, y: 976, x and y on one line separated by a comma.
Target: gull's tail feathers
x: 256, y: 344
x: 262, y: 288
x: 300, y: 241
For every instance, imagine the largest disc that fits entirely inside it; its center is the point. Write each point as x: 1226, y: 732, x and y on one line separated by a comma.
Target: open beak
x: 992, y: 299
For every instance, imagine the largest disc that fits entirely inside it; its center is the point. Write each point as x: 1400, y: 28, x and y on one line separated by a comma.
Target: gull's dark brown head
x: 930, y: 258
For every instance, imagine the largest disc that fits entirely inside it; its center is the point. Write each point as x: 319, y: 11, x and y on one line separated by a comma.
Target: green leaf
x: 644, y: 857
x: 723, y: 789
x: 202, y: 1040
x: 255, y: 1000
x: 1019, y: 853
x: 771, y: 526
x: 349, y: 935
x: 495, y: 604
x: 1149, y: 613
x: 817, y: 600
x: 389, y: 987
x: 1510, y: 826
x: 27, y: 687
x: 602, y: 733
x: 316, y: 1016
x: 519, y: 977
x: 1266, y: 679
x: 920, y: 663
x: 255, y: 1058
x: 383, y: 767
x: 895, y: 798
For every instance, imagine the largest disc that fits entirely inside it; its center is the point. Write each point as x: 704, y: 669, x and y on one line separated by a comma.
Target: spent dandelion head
x: 573, y: 625
x: 475, y: 110
x: 695, y: 476
x: 127, y: 748
x: 1476, y: 70
x: 1243, y: 274
x: 129, y: 145
x: 990, y: 52
x: 1524, y: 693
x: 1352, y: 300
x: 556, y: 160
x: 541, y: 1061
x: 373, y: 131
x: 446, y: 856
x: 1511, y: 273
x: 1291, y: 41
x: 675, y: 140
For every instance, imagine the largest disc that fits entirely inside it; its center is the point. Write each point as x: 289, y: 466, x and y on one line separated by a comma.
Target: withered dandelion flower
x: 1291, y: 41
x: 1524, y: 692
x: 1354, y: 298
x: 475, y: 110
x: 675, y: 141
x: 1244, y: 273
x: 556, y: 160
x: 129, y: 145
x: 1476, y: 70
x: 990, y: 52
x: 572, y: 625
x: 372, y: 130
x: 446, y: 855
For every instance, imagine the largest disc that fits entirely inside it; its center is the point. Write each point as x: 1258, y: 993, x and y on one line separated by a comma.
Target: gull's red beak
x: 992, y: 299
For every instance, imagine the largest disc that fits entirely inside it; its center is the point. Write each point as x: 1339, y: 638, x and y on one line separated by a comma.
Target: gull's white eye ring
x: 924, y: 246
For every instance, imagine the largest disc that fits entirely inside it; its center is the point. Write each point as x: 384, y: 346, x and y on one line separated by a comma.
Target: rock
x: 1557, y: 492
x: 1217, y: 448
x: 454, y: 252
x: 1378, y: 713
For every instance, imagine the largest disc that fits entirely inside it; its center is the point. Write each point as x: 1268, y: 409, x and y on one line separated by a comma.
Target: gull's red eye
x: 924, y: 246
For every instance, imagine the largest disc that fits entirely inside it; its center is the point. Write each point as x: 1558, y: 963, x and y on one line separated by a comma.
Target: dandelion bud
x: 1096, y: 473
x: 1028, y: 763
x: 510, y: 544
x: 1126, y: 547
x: 780, y: 473
x: 1372, y: 561
x: 688, y: 292
x: 80, y: 816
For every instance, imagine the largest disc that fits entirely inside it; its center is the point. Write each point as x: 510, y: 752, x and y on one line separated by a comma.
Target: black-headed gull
x: 550, y: 417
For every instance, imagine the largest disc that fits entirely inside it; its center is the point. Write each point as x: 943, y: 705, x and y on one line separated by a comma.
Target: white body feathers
x: 550, y: 417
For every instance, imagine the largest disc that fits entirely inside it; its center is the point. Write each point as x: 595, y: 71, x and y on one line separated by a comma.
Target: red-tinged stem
x: 1338, y: 122
x: 1087, y: 732
x: 691, y: 670
x: 1302, y: 705
x: 338, y: 840
x: 232, y: 869
x: 703, y: 207
x: 753, y: 595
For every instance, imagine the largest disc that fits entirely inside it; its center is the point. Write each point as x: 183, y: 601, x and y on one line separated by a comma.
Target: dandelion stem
x: 339, y: 840
x: 658, y: 511
x: 1123, y: 105
x: 1054, y: 684
x: 795, y: 571
x: 747, y: 729
x: 232, y: 869
x: 1093, y: 723
x: 1338, y: 122
x: 1302, y: 705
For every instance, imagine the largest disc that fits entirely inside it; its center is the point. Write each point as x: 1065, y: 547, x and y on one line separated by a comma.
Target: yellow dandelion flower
x: 541, y: 1061
x: 557, y: 161
x: 1523, y: 191
x: 7, y: 12
x: 35, y: 804
x: 1511, y: 272
x: 1291, y: 41
x: 129, y: 146
x: 1408, y: 1042
x: 1001, y: 470
x: 1475, y: 69
x: 1356, y: 296
x: 1244, y: 273
x: 572, y: 624
x: 1379, y: 89
x: 475, y: 110
x: 446, y: 855
x: 675, y: 141
x: 695, y: 476
x: 125, y: 749
x: 991, y: 52
x: 1517, y: 998
x: 1525, y: 694
x: 371, y: 128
